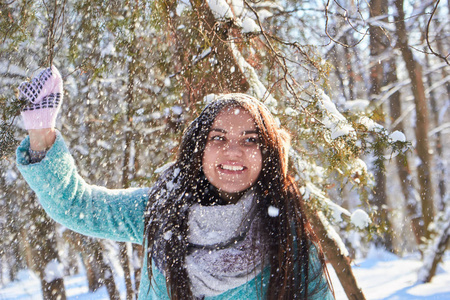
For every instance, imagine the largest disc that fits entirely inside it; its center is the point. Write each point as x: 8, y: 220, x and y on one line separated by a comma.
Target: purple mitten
x: 44, y: 94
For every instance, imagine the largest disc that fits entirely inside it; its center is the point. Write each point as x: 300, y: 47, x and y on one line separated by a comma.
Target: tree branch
x: 427, y: 35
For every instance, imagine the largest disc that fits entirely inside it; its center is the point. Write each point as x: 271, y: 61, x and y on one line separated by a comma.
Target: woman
x: 225, y: 221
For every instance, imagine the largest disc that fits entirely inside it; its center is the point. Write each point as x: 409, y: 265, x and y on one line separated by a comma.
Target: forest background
x: 363, y: 86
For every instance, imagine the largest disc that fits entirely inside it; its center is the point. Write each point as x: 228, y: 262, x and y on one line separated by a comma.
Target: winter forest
x: 362, y: 86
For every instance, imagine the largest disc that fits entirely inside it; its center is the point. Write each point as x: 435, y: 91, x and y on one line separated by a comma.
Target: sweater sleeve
x: 116, y: 214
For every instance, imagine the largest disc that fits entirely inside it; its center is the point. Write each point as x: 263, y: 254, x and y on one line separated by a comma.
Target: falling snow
x: 94, y: 122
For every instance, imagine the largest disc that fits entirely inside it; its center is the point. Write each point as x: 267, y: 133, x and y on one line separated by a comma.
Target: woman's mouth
x: 234, y: 168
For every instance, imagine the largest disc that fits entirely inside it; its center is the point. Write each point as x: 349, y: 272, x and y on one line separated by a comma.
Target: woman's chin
x: 231, y: 195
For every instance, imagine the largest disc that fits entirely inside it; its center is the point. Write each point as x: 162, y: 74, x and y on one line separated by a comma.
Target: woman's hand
x: 44, y: 95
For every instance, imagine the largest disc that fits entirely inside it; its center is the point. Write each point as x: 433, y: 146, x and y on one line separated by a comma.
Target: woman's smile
x: 234, y: 168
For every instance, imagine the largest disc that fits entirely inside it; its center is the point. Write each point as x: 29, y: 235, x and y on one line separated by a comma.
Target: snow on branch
x: 332, y: 234
x: 333, y: 119
x: 220, y: 9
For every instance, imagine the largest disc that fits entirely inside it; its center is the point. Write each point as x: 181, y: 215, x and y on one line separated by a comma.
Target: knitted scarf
x: 225, y: 246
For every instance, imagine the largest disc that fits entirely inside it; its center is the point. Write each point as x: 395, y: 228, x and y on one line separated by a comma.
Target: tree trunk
x: 138, y: 251
x: 435, y: 109
x: 129, y: 143
x: 340, y: 262
x: 404, y: 172
x: 136, y: 259
x: 224, y: 75
x: 436, y: 252
x: 45, y: 260
x: 99, y: 271
x: 378, y: 45
x: 106, y: 271
x: 350, y: 71
x: 421, y: 127
x: 126, y: 266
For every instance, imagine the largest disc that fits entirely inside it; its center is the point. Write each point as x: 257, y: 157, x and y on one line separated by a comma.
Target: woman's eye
x: 217, y: 138
x: 251, y: 140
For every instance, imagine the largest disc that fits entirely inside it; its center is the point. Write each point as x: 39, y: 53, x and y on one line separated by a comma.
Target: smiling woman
x: 232, y: 170
x: 226, y: 221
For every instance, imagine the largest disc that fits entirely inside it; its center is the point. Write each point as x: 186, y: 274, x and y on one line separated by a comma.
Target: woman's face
x: 232, y: 159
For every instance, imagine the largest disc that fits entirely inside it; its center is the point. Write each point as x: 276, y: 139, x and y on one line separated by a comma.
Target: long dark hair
x: 289, y: 234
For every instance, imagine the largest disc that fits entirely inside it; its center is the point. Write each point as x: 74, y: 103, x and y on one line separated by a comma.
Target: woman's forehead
x: 234, y: 118
x: 236, y: 113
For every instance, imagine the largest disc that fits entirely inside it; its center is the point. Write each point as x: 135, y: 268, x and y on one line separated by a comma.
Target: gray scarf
x: 226, y: 247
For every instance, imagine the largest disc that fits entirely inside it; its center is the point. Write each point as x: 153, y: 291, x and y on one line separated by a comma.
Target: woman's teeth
x: 232, y: 168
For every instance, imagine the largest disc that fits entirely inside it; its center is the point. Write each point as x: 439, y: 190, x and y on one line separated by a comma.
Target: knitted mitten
x: 44, y: 94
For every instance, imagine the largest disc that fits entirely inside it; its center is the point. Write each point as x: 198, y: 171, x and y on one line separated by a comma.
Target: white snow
x: 341, y: 130
x: 273, y: 211
x: 54, y: 270
x: 356, y: 105
x: 332, y: 118
x: 358, y: 167
x: 209, y: 98
x: 360, y: 219
x: 167, y: 82
x: 164, y: 167
x: 290, y: 112
x: 220, y: 9
x: 330, y: 107
x: 397, y: 136
x: 11, y: 176
x: 108, y: 50
x: 332, y: 234
x: 381, y: 275
x: 104, y: 144
x: 264, y: 14
x: 238, y: 6
x: 168, y: 235
x: 370, y: 124
x: 248, y: 25
x: 178, y: 110
x: 181, y: 7
x: 337, y: 211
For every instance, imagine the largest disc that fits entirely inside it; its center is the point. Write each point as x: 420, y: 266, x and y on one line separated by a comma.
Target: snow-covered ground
x: 381, y: 276
x: 385, y: 276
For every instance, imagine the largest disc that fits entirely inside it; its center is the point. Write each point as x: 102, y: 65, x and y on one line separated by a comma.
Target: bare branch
x: 347, y: 20
x: 57, y: 18
x: 287, y: 77
x: 445, y: 58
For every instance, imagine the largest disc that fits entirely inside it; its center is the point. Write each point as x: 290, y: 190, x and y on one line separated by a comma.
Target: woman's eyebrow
x: 245, y: 132
x: 218, y: 130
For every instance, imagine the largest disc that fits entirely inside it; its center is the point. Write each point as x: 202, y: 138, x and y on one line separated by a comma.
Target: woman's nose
x: 232, y: 148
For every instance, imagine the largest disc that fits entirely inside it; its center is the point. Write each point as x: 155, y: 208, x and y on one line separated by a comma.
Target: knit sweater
x: 118, y: 214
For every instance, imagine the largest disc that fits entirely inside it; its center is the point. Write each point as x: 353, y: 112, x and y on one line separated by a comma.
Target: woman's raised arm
x: 49, y: 169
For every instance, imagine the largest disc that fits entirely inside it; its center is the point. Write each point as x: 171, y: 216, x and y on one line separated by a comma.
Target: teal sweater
x: 115, y: 214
